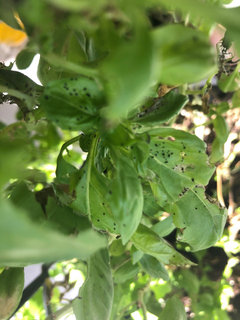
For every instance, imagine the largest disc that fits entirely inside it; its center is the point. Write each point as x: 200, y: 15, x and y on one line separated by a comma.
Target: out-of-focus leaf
x: 189, y: 281
x: 125, y: 272
x: 173, y: 310
x: 24, y: 242
x: 15, y: 151
x: 128, y: 72
x: 185, y: 54
x: 96, y: 294
x: 11, y: 288
x: 150, y: 243
x: 153, y: 267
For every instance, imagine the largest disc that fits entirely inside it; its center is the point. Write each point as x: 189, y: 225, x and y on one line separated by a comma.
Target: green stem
x: 90, y: 160
x: 68, y: 143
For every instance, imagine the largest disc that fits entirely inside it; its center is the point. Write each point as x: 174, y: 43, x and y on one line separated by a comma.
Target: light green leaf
x: 153, y: 267
x: 73, y: 103
x: 126, y: 198
x: 185, y: 54
x: 23, y: 242
x: 149, y: 242
x: 11, y: 288
x: 200, y: 220
x: 96, y: 295
x: 173, y: 310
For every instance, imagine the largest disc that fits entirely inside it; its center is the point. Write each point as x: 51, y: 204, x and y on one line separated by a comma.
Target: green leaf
x: 162, y: 109
x: 153, y: 267
x: 20, y: 86
x: 126, y: 198
x: 126, y: 88
x: 221, y: 128
x: 185, y: 54
x: 63, y: 219
x: 164, y: 227
x: 64, y: 169
x: 23, y: 242
x: 153, y: 305
x: 201, y: 221
x: 73, y: 103
x: 24, y: 59
x: 178, y: 156
x: 189, y: 281
x: 222, y: 132
x: 236, y: 99
x: 116, y: 248
x: 125, y: 272
x: 11, y: 288
x: 122, y: 299
x: 15, y: 151
x: 102, y: 216
x: 173, y: 310
x: 149, y: 242
x: 96, y: 295
x: 229, y: 83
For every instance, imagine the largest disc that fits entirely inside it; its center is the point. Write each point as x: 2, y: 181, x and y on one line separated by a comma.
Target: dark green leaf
x: 96, y: 295
x: 11, y: 288
x: 24, y: 59
x: 150, y: 243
